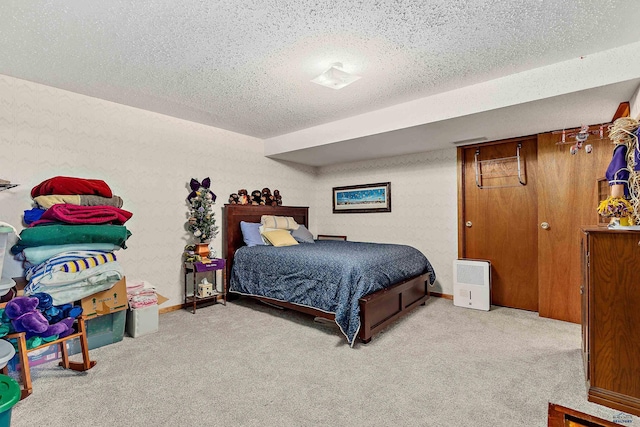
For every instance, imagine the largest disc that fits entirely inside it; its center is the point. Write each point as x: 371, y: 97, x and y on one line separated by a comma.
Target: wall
x: 423, y: 206
x: 634, y: 104
x: 146, y: 158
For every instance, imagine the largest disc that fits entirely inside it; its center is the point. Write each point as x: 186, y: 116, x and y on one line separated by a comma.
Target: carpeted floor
x: 247, y: 364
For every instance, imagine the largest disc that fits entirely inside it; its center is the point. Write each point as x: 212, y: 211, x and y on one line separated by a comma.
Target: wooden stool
x: 25, y: 371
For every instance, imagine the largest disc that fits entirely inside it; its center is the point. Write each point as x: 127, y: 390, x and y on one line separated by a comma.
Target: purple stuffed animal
x: 25, y: 317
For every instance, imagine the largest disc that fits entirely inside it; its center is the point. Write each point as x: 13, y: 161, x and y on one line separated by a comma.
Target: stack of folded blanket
x: 141, y: 294
x: 68, y: 248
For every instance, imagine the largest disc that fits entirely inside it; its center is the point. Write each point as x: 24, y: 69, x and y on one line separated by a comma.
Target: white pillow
x: 282, y: 222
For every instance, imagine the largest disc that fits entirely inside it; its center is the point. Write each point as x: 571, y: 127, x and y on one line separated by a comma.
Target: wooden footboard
x: 379, y: 309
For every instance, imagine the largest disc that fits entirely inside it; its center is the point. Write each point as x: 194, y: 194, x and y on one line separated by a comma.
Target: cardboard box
x: 142, y: 321
x: 106, y: 302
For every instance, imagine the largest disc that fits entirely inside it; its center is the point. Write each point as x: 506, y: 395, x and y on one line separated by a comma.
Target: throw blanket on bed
x: 74, y: 214
x: 328, y: 275
x: 71, y: 185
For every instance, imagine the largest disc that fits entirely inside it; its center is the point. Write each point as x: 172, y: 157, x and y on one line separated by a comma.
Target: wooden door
x: 503, y: 219
x: 567, y: 201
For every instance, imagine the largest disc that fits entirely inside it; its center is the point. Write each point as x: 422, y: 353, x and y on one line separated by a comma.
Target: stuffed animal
x: 244, y: 197
x: 25, y: 317
x: 5, y: 324
x: 256, y: 197
x: 55, y: 313
x: 277, y: 198
x: 234, y: 199
x: 190, y: 254
x: 266, y: 197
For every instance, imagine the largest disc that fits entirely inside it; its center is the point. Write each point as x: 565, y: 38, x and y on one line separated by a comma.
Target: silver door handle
x: 545, y: 225
x: 468, y: 224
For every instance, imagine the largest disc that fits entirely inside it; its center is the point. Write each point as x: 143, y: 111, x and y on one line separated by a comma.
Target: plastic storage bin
x: 102, y: 330
x: 9, y: 396
x: 6, y: 352
x: 142, y: 321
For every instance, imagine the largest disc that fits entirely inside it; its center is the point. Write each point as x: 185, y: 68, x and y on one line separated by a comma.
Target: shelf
x: 216, y: 298
x: 199, y: 268
x: 7, y: 186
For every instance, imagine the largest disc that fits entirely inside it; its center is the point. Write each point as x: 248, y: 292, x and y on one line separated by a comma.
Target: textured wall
x: 423, y: 206
x: 146, y: 158
x: 634, y: 104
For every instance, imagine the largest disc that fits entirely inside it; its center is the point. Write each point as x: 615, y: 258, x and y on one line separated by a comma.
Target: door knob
x: 545, y: 225
x: 468, y: 224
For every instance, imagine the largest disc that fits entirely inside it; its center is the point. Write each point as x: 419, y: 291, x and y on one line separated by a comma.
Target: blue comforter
x: 327, y: 275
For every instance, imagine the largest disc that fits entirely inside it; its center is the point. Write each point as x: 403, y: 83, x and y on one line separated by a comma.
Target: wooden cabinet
x: 611, y: 317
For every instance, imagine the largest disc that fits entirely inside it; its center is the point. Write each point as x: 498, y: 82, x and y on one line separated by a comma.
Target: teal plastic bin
x: 9, y: 396
x: 102, y: 330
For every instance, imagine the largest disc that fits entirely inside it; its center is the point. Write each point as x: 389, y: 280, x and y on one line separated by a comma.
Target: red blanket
x: 65, y: 185
x: 76, y: 214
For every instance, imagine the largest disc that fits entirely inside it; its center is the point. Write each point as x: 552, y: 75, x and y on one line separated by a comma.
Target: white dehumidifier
x: 472, y: 284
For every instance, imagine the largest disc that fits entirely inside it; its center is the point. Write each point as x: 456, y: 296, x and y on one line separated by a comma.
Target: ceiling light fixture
x: 335, y: 77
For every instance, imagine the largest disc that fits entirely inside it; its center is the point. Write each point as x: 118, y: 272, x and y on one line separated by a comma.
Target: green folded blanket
x: 71, y: 234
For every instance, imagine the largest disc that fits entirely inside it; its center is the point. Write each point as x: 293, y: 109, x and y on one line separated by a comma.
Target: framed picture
x: 362, y: 198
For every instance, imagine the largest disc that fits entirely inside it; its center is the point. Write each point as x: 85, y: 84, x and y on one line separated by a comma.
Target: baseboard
x: 438, y: 295
x: 171, y: 308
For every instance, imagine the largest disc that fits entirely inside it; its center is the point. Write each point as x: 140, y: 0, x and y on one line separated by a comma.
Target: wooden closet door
x: 503, y: 219
x: 567, y: 201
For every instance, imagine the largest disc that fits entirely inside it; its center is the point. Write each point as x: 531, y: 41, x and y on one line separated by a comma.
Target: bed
x: 378, y: 300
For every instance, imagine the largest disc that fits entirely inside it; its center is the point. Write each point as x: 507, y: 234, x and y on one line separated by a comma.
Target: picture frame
x: 366, y: 198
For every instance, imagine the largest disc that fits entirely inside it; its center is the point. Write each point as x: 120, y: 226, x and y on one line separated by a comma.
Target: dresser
x: 611, y: 317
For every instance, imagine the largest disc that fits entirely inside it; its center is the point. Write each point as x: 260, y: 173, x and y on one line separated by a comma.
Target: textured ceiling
x: 246, y: 66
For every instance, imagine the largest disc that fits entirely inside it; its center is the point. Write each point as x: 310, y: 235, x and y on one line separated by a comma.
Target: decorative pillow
x: 251, y: 233
x: 302, y: 235
x: 284, y: 222
x: 262, y: 229
x: 280, y: 238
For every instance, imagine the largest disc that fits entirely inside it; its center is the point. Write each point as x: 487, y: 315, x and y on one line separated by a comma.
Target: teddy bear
x: 243, y: 194
x: 256, y: 197
x: 234, y: 199
x: 266, y: 197
x: 25, y: 317
x: 277, y: 198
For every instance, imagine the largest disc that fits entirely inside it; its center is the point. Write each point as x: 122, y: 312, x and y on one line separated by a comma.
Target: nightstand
x: 203, y: 295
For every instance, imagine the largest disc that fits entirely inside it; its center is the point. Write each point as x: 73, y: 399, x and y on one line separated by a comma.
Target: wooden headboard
x: 233, y: 214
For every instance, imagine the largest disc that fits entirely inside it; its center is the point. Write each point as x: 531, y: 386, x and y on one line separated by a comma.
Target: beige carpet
x: 247, y: 364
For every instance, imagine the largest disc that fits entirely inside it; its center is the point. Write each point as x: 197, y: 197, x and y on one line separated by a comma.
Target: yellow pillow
x: 285, y: 222
x: 263, y: 229
x: 280, y: 238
